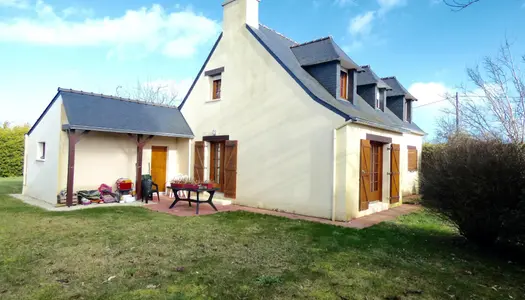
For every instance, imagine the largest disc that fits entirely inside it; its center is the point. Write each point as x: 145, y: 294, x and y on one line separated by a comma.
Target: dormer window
x: 408, y: 111
x: 343, y: 93
x: 378, y: 99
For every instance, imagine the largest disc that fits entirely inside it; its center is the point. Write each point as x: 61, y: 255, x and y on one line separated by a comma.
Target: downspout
x: 334, y: 164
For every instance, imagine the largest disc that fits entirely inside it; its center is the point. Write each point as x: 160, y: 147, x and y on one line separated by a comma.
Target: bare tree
x: 458, y: 5
x: 150, y: 93
x: 495, y: 109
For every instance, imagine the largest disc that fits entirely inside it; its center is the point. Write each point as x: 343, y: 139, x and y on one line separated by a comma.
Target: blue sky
x: 96, y: 45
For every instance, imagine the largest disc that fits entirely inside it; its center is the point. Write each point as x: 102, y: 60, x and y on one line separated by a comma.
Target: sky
x: 110, y: 46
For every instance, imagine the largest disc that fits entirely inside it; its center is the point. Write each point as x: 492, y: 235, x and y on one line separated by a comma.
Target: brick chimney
x: 238, y: 14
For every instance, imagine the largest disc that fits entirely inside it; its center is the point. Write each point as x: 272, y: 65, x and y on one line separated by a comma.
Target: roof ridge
x: 389, y: 77
x: 366, y: 66
x: 313, y: 41
x: 114, y: 98
x: 280, y: 34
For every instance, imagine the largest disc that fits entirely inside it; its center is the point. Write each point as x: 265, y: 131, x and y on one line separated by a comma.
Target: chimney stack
x: 239, y: 13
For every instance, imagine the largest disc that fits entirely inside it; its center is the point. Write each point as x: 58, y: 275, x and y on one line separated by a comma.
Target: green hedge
x: 12, y: 150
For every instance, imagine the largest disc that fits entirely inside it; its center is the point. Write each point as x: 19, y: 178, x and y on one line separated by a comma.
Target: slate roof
x: 282, y: 47
x: 97, y: 112
x: 368, y: 76
x: 320, y: 51
x: 397, y: 88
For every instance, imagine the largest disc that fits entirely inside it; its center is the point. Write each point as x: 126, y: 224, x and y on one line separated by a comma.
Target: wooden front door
x: 159, y: 157
x: 376, y: 171
x: 371, y: 178
x: 217, y: 163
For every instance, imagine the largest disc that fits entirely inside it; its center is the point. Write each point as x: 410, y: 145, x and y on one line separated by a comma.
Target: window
x: 412, y: 158
x: 343, y: 85
x: 378, y: 99
x: 375, y: 167
x: 41, y: 154
x: 409, y: 111
x: 216, y: 90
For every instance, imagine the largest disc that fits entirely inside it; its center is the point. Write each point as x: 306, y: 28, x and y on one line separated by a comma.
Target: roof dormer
x: 330, y: 65
x: 399, y: 100
x: 371, y: 88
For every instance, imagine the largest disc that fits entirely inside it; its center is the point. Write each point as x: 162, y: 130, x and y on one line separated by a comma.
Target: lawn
x: 133, y: 253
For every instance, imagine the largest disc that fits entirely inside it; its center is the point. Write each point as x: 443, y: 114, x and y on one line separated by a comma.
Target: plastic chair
x: 149, y: 188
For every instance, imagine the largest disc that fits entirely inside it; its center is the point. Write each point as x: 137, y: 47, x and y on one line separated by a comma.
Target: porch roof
x: 97, y: 112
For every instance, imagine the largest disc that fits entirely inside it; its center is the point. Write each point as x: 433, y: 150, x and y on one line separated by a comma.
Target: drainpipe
x: 334, y: 165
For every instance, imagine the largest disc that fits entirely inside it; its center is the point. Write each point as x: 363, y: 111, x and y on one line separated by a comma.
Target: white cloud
x: 14, y: 3
x: 387, y: 5
x: 343, y: 2
x: 145, y: 30
x: 362, y: 24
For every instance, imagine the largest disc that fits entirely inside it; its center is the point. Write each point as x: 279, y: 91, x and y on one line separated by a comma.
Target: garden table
x: 188, y: 198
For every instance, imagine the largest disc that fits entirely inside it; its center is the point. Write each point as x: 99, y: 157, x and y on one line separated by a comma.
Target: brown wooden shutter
x: 412, y: 158
x: 394, y: 173
x: 198, y: 167
x: 230, y: 169
x: 364, y: 188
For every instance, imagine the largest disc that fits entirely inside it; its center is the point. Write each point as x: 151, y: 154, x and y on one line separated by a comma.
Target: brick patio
x: 182, y: 209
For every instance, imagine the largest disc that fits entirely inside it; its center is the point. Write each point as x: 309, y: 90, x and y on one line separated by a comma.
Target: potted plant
x: 207, y: 184
x: 178, y: 182
x: 190, y: 184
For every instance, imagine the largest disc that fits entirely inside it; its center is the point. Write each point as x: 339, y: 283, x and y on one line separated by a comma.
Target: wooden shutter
x: 198, y: 167
x: 394, y: 173
x: 412, y: 158
x: 230, y: 169
x: 364, y: 186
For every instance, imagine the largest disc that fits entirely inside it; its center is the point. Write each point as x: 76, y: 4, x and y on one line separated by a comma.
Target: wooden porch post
x: 138, y: 179
x: 73, y: 139
x: 71, y: 166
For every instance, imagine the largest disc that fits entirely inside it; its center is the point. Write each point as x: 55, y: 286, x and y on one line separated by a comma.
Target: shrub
x: 12, y: 150
x: 478, y: 185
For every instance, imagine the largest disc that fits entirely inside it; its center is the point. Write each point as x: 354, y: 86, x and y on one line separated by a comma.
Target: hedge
x: 12, y: 150
x: 479, y: 186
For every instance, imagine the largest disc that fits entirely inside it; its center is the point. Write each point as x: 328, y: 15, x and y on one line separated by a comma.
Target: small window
x: 378, y: 99
x: 344, y: 85
x: 412, y: 158
x: 409, y: 111
x: 41, y: 154
x: 216, y: 88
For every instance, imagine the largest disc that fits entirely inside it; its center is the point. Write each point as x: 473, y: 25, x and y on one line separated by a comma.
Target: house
x: 82, y: 140
x: 275, y: 123
x: 299, y: 127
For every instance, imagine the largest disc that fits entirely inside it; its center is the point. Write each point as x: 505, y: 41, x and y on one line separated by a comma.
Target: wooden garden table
x: 188, y: 199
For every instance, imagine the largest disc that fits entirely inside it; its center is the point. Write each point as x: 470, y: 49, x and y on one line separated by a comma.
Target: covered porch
x: 106, y: 138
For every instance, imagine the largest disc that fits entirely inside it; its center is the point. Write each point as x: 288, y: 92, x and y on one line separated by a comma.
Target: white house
x: 309, y: 136
x: 277, y: 124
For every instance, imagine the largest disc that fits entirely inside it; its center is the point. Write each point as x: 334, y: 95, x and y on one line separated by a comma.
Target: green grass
x: 11, y: 185
x: 132, y: 253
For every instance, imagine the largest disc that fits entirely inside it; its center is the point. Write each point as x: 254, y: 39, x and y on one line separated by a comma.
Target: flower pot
x: 191, y: 186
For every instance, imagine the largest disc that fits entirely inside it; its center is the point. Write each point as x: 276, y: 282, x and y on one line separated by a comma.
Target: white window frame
x: 378, y: 99
x: 41, y: 150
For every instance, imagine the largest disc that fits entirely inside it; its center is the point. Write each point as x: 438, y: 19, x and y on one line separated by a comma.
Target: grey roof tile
x: 321, y: 51
x: 397, y: 88
x: 368, y: 76
x: 98, y: 112
x: 281, y: 47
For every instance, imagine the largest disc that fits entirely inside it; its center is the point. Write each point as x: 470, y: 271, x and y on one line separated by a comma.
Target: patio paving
x: 182, y: 209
